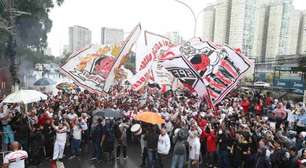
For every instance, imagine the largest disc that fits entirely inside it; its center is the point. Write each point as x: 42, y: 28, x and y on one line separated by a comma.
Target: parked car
x: 262, y: 84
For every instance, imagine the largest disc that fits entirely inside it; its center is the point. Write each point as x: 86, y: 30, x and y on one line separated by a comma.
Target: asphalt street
x: 133, y: 160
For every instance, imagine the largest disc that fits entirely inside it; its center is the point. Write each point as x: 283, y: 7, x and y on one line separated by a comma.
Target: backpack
x: 183, y: 134
x: 180, y: 148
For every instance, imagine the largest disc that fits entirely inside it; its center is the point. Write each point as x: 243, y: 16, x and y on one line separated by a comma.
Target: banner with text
x: 149, y: 47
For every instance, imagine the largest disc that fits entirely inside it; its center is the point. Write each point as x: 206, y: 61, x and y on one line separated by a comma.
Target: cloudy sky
x: 159, y: 16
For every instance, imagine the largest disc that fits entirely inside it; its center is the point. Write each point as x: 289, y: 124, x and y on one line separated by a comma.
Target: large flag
x: 223, y: 77
x: 122, y: 58
x: 149, y: 47
x: 218, y: 67
x: 90, y: 67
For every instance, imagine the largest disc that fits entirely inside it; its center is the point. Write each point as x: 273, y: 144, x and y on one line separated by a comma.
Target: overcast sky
x: 159, y: 16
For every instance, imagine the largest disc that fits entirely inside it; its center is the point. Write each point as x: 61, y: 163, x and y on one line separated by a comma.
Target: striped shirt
x: 16, y: 159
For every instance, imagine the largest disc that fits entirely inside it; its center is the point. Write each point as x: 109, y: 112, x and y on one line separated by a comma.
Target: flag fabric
x: 90, y: 67
x: 225, y: 75
x: 149, y: 47
x: 181, y: 68
x: 160, y: 74
x: 210, y: 70
x: 141, y: 78
x: 122, y: 57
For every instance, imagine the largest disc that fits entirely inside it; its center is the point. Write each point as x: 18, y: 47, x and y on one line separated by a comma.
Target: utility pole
x: 12, y: 13
x: 11, y: 47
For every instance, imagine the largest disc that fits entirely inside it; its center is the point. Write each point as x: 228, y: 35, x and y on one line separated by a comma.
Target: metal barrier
x: 3, y: 155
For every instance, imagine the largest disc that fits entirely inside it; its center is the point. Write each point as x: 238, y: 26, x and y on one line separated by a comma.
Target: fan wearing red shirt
x: 259, y: 107
x: 269, y: 101
x: 211, y: 140
x: 245, y: 104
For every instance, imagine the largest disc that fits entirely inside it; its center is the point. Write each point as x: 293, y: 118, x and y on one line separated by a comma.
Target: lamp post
x: 193, y: 14
x: 195, y: 17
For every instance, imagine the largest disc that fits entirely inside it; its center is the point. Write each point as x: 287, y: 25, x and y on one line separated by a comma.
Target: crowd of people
x: 243, y: 131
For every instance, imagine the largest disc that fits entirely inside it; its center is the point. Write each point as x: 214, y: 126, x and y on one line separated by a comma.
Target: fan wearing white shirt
x: 78, y: 126
x: 16, y: 158
x: 194, y: 149
x: 163, y: 146
x: 60, y: 141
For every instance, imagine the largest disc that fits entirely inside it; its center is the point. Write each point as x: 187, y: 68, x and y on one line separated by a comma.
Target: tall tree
x: 31, y: 29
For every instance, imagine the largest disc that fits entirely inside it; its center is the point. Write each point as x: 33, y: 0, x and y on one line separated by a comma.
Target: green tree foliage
x: 31, y: 29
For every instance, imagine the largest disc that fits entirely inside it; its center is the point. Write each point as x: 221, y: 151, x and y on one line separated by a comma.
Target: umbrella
x: 109, y: 113
x: 66, y: 86
x: 25, y: 96
x: 44, y: 82
x: 150, y: 117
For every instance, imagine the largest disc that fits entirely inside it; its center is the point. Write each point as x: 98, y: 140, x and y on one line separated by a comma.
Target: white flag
x: 141, y: 78
x: 149, y: 47
x: 130, y: 41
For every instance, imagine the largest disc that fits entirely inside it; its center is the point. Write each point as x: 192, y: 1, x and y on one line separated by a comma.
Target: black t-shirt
x: 152, y: 140
x: 97, y: 133
x: 48, y: 132
x: 224, y: 142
